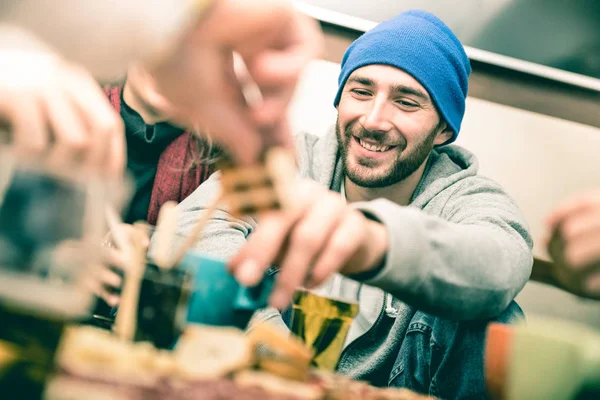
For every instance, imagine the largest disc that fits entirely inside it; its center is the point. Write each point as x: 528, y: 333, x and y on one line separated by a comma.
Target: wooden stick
x: 166, y: 229
x: 192, y: 238
x: 126, y: 321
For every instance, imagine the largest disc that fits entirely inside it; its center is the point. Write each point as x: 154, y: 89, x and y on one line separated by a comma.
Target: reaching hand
x: 106, y: 280
x: 323, y: 235
x: 275, y: 43
x: 575, y: 244
x: 55, y: 112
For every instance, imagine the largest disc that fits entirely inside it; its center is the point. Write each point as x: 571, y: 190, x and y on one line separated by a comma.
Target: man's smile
x: 371, y: 148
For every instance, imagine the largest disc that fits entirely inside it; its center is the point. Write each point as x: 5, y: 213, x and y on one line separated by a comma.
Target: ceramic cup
x: 217, y: 298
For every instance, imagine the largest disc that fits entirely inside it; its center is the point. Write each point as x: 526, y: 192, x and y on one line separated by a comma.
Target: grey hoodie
x: 460, y: 250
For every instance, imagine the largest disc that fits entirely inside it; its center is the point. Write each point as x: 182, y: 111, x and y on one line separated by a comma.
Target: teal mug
x: 217, y: 298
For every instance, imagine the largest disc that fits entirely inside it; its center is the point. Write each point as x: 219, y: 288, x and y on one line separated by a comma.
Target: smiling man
x: 389, y: 214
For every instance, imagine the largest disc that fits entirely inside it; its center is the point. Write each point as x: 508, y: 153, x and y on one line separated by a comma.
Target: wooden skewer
x: 192, y: 238
x: 126, y: 321
x: 166, y: 229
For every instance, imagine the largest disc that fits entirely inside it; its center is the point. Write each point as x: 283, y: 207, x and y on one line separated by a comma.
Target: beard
x: 368, y: 173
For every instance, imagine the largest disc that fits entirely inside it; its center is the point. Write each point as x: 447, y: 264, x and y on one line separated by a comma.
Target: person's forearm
x: 223, y: 235
x: 105, y: 36
x: 542, y: 272
x: 458, y: 271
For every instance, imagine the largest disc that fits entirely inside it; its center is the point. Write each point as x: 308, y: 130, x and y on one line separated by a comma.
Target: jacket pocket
x: 411, y: 369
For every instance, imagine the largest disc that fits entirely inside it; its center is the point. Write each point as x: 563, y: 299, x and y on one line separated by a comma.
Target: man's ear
x: 444, y: 134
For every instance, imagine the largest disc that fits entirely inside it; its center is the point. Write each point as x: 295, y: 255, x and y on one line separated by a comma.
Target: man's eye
x: 360, y: 92
x: 406, y: 104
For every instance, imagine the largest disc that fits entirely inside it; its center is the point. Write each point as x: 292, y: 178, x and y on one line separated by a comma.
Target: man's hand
x: 274, y: 41
x: 105, y: 280
x: 575, y: 244
x: 323, y: 235
x: 55, y: 112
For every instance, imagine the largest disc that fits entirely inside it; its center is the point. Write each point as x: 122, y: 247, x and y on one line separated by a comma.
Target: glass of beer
x: 323, y: 324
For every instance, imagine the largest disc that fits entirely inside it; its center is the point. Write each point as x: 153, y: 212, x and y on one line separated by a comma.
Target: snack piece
x: 399, y: 394
x: 277, y: 385
x: 339, y: 387
x: 280, y: 353
x: 99, y: 355
x: 206, y: 352
x: 209, y: 363
x: 261, y: 187
x: 67, y: 388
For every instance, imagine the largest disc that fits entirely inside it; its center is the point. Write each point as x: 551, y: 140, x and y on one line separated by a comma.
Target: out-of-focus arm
x: 105, y: 36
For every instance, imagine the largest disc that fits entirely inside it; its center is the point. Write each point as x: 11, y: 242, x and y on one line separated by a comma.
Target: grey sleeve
x: 223, y: 235
x: 468, y: 264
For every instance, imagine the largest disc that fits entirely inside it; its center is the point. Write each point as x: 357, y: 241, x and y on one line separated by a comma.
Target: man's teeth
x: 373, y: 147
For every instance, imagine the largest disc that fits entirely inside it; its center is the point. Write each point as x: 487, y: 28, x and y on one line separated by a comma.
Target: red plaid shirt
x: 177, y: 176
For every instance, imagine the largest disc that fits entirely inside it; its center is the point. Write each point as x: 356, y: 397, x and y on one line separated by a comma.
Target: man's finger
x: 28, y: 124
x: 279, y: 135
x: 250, y: 264
x: 68, y: 129
x: 582, y: 253
x: 305, y: 244
x: 267, y: 242
x: 229, y: 123
x: 116, y: 258
x: 574, y: 206
x: 273, y: 108
x: 95, y: 286
x: 100, y: 119
x: 117, y: 157
x: 109, y: 278
x: 300, y: 42
x: 579, y: 226
x: 340, y: 247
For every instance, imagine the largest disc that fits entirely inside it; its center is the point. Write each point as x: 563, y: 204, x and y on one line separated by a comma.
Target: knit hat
x: 418, y: 43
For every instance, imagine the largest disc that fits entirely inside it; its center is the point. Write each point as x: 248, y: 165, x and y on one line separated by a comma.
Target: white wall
x: 540, y: 160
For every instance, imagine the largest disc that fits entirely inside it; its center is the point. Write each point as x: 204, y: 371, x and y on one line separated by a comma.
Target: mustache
x: 377, y: 136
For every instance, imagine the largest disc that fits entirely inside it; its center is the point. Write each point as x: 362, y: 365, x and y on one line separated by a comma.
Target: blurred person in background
x: 165, y: 161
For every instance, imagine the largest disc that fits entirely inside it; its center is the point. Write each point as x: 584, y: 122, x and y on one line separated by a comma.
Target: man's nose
x: 376, y: 118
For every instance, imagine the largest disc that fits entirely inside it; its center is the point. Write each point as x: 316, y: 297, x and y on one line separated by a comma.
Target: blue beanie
x: 418, y: 43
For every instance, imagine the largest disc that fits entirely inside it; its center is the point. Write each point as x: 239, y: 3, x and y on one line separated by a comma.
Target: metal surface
x: 553, y: 39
